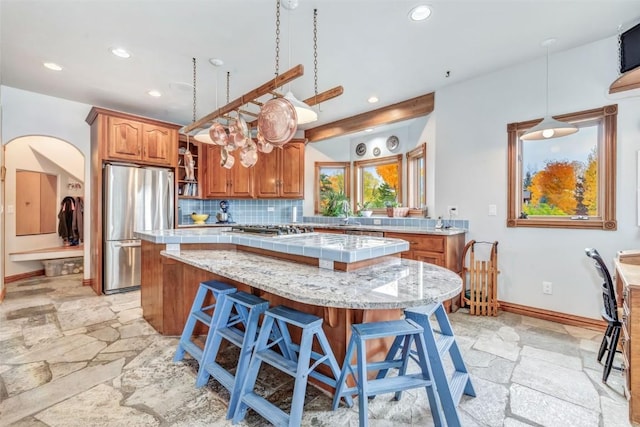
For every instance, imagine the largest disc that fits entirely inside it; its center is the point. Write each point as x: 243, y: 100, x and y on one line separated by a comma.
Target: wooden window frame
x: 316, y: 182
x: 606, y: 171
x: 358, y: 165
x: 420, y: 152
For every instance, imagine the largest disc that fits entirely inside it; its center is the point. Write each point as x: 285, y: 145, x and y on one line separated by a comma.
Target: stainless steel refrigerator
x: 136, y: 198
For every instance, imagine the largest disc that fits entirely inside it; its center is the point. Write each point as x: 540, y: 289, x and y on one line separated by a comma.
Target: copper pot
x: 277, y: 121
x: 217, y: 134
x: 226, y: 160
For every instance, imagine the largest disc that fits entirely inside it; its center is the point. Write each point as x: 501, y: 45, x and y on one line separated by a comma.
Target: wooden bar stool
x: 206, y: 315
x: 297, y: 360
x: 238, y: 309
x: 406, y: 332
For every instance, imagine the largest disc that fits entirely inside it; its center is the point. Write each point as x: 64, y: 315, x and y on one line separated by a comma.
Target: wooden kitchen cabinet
x: 222, y: 183
x: 135, y: 141
x: 627, y: 278
x: 280, y: 174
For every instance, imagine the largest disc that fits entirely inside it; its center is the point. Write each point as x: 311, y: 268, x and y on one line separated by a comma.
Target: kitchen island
x: 371, y: 282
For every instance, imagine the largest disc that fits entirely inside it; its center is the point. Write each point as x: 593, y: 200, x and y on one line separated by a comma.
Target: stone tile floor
x: 71, y: 358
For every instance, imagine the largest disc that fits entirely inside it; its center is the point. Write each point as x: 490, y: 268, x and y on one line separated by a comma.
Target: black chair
x: 609, y: 313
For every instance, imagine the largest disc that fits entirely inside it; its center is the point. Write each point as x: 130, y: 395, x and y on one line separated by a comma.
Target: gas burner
x: 274, y: 230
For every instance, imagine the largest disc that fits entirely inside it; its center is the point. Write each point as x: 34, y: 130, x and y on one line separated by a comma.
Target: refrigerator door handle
x: 126, y: 245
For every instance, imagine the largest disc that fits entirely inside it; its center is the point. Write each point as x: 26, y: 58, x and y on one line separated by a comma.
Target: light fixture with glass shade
x: 549, y: 127
x: 305, y: 113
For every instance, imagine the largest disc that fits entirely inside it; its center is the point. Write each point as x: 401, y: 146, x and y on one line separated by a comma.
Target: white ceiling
x: 368, y: 46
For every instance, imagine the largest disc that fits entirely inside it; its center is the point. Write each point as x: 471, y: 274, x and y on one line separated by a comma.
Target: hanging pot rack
x: 251, y: 97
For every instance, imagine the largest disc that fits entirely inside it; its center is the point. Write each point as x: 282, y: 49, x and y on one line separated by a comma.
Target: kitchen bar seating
x: 297, y: 360
x: 238, y: 309
x: 203, y: 314
x: 406, y: 333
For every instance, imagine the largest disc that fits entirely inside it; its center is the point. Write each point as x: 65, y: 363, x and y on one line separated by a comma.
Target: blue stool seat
x: 238, y: 309
x: 293, y: 359
x: 406, y: 332
x: 206, y: 315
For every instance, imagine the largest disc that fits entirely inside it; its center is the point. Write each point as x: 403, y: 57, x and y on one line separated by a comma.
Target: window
x: 330, y: 179
x: 567, y: 182
x: 379, y: 182
x: 417, y: 176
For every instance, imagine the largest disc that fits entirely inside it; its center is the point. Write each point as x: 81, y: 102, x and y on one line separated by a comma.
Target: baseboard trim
x: 87, y: 282
x: 16, y: 277
x: 3, y: 293
x: 554, y: 316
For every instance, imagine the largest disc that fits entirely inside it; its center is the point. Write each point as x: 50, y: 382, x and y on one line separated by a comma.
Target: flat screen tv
x: 630, y: 49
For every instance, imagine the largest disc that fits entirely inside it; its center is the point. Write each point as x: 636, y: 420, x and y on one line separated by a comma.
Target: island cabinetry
x: 219, y: 182
x: 627, y: 278
x: 135, y: 141
x: 280, y: 174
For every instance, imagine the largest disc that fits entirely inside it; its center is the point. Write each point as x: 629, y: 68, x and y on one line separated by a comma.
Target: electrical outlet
x: 377, y: 221
x: 271, y: 209
x: 547, y: 288
x: 452, y: 210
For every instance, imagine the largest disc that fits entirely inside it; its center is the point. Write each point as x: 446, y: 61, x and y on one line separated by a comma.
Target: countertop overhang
x: 392, y: 283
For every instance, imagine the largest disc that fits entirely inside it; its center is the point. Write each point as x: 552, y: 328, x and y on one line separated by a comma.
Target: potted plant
x: 364, y: 210
x: 395, y: 209
x: 336, y: 203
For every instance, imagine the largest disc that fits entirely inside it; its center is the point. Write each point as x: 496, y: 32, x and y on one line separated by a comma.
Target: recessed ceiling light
x: 420, y: 13
x: 154, y: 93
x: 373, y: 99
x: 216, y: 62
x: 369, y: 130
x: 120, y: 52
x: 52, y: 66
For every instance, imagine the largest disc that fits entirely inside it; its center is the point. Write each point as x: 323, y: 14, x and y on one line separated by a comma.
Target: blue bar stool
x: 294, y: 360
x: 206, y: 315
x: 238, y: 309
x: 439, y: 344
x: 406, y: 332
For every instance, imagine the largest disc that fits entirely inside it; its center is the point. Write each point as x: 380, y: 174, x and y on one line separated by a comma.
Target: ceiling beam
x: 405, y: 110
x: 248, y: 97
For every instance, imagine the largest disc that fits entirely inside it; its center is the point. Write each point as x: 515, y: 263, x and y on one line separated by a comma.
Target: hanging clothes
x: 65, y: 220
x: 78, y: 220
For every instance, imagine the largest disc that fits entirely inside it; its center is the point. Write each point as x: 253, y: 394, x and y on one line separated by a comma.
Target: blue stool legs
x: 406, y: 333
x: 201, y: 314
x: 237, y: 309
x: 438, y: 344
x: 294, y: 360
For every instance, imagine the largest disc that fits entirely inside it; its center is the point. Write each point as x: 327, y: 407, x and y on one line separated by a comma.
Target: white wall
x: 27, y: 113
x: 471, y: 172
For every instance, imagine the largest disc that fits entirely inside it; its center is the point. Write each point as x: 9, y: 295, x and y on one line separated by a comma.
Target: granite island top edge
x: 392, y: 284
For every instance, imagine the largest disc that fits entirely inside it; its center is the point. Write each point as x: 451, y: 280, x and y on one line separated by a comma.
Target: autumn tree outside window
x: 379, y: 182
x: 566, y: 182
x: 331, y: 178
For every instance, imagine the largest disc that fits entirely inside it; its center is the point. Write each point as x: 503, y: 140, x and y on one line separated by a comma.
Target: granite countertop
x: 331, y: 247
x: 393, y: 283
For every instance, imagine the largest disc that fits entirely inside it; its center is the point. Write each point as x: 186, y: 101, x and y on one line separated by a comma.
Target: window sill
x: 591, y: 224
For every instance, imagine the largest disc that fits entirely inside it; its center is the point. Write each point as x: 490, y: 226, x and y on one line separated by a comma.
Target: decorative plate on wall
x: 361, y: 149
x: 392, y: 143
x: 376, y: 151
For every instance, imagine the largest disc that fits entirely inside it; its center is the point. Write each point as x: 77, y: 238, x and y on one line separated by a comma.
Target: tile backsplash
x: 405, y: 222
x: 243, y: 211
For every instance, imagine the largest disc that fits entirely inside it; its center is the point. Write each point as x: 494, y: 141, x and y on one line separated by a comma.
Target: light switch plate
x: 493, y: 210
x: 377, y: 221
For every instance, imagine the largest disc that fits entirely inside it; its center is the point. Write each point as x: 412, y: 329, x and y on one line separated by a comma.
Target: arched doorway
x: 62, y: 166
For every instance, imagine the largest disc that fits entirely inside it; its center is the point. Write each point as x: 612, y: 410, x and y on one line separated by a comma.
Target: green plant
x: 335, y: 203
x: 392, y: 204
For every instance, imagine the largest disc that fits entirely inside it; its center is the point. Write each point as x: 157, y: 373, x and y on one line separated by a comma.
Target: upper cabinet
x: 220, y: 183
x: 136, y: 139
x: 280, y: 174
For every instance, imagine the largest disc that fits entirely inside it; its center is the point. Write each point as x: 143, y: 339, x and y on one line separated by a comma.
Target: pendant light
x: 549, y: 127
